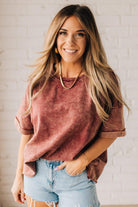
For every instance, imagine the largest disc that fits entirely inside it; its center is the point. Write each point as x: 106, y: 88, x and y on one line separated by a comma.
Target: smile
x: 70, y: 51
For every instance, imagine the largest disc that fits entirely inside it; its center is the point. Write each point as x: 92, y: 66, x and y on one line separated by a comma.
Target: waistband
x: 50, y: 163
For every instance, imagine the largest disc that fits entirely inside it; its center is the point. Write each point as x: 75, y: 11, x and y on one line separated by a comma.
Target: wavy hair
x: 103, y: 83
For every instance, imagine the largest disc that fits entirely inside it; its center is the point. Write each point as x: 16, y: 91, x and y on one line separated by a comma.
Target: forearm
x: 97, y: 149
x: 23, y: 142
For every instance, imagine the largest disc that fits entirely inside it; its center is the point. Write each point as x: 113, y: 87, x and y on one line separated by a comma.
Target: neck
x: 70, y: 70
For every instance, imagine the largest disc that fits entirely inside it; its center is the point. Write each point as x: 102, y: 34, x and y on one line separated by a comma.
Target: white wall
x: 23, y: 24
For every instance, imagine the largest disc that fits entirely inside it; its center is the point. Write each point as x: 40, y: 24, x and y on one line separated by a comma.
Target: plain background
x: 23, y: 25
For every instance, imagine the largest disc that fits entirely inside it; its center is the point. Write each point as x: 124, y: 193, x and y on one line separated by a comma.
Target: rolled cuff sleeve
x: 113, y: 134
x: 22, y: 121
x: 114, y: 126
x: 22, y: 130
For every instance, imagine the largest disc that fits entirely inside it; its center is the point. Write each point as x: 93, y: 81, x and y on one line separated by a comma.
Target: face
x: 71, y: 40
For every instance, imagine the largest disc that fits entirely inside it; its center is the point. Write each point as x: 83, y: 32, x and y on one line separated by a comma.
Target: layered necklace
x: 61, y: 80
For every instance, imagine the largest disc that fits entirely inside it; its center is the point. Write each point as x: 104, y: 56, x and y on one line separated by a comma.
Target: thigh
x: 79, y: 198
x: 76, y: 190
x: 39, y: 187
x: 33, y: 203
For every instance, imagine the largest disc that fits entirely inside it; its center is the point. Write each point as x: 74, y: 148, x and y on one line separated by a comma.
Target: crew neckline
x: 68, y: 78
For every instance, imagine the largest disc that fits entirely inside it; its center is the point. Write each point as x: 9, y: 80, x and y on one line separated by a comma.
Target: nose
x: 70, y: 39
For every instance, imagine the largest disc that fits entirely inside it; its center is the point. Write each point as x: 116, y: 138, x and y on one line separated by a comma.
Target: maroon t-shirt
x: 64, y: 123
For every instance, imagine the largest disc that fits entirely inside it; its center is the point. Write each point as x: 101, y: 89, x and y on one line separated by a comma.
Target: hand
x: 18, y: 190
x: 74, y: 167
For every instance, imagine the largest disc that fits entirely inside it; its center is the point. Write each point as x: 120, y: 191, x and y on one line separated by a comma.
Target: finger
x: 61, y: 166
x: 74, y: 172
x: 22, y: 196
x: 17, y: 197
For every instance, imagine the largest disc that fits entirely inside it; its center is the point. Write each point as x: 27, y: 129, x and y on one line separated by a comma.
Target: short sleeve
x: 23, y: 121
x: 114, y: 126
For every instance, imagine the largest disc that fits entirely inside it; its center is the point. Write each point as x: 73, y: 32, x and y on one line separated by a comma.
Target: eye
x: 62, y: 33
x: 80, y: 34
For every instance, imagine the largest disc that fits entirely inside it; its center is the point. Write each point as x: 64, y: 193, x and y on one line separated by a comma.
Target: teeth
x: 70, y: 51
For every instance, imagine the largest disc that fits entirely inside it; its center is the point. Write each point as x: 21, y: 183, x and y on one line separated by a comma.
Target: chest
x: 60, y: 104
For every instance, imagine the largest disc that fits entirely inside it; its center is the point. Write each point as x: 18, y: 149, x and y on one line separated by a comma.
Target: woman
x: 71, y: 113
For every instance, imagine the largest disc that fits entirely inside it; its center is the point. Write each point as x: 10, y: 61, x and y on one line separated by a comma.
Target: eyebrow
x: 81, y: 30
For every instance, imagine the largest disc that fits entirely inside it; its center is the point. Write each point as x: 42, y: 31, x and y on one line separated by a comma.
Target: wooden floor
x: 120, y: 205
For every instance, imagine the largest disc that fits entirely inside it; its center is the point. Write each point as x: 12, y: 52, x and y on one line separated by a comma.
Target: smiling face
x: 71, y: 41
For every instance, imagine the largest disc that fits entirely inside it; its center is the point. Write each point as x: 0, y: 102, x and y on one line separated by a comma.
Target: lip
x: 70, y: 51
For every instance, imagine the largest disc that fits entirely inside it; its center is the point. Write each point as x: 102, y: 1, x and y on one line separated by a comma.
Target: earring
x: 56, y: 50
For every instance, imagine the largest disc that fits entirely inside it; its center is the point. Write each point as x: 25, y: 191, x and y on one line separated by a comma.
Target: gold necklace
x: 61, y: 80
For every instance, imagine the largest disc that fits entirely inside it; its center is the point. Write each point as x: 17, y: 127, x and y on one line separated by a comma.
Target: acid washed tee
x: 64, y: 123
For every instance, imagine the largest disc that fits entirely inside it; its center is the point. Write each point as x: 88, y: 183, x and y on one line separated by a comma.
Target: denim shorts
x: 53, y: 186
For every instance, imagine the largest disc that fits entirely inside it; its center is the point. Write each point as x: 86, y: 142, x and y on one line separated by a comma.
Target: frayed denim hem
x: 50, y: 204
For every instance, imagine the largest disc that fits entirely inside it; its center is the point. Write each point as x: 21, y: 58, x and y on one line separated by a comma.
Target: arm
x: 96, y: 149
x: 23, y: 142
x: 78, y: 165
x: 17, y: 188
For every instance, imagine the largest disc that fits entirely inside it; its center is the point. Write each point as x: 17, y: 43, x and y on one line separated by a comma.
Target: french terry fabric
x: 64, y: 123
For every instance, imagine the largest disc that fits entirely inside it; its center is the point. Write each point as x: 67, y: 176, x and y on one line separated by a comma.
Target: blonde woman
x: 72, y: 111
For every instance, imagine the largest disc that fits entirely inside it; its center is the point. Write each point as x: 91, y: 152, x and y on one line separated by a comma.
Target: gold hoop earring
x: 56, y: 50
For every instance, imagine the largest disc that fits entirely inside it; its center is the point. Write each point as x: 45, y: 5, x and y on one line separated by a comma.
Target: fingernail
x: 22, y: 200
x: 56, y: 168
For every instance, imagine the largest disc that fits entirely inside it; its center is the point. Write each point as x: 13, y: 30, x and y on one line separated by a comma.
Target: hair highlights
x: 103, y: 82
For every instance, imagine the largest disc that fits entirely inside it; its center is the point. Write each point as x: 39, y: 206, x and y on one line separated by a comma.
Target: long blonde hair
x: 103, y: 84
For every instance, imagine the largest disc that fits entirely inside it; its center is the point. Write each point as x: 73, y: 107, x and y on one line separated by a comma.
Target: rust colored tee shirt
x: 64, y: 123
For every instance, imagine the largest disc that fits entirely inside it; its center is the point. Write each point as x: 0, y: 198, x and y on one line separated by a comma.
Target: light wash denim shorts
x: 53, y: 186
